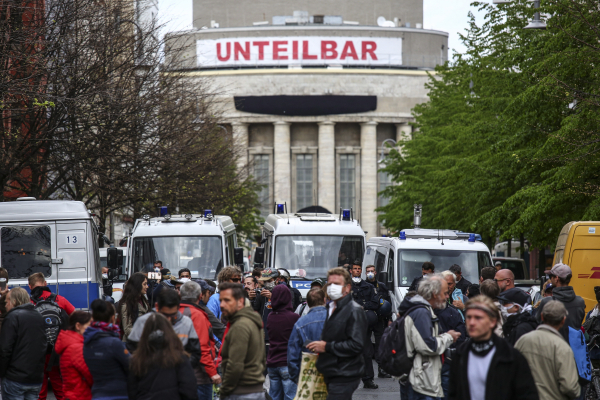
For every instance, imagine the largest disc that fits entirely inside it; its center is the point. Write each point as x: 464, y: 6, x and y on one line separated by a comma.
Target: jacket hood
x: 65, y: 339
x: 564, y: 294
x: 409, y: 303
x: 247, y: 312
x: 281, y: 298
x: 91, y: 334
x: 38, y: 291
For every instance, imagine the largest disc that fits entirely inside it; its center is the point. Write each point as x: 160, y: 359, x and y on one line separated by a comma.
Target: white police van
x: 309, y: 244
x: 121, y: 273
x: 54, y: 237
x: 202, y: 243
x: 398, y: 260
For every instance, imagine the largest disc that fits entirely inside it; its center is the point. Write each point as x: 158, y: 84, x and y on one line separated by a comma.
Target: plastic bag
x: 311, y: 385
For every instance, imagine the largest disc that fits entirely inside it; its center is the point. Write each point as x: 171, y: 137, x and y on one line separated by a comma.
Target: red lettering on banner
x: 261, y: 49
x: 277, y: 49
x: 369, y: 48
x: 237, y: 50
x: 328, y: 51
x: 227, y: 47
x: 305, y: 55
x: 349, y: 51
x: 295, y: 49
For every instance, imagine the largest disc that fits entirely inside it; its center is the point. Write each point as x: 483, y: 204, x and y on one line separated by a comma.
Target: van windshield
x: 310, y: 257
x: 203, y: 255
x: 411, y: 261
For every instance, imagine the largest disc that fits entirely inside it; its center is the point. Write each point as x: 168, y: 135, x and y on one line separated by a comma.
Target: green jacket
x: 243, y: 353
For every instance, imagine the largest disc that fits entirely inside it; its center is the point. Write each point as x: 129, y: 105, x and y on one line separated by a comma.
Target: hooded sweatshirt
x: 76, y: 376
x: 574, y: 304
x: 280, y: 323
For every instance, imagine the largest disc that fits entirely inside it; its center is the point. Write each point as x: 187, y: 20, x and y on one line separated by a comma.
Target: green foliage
x: 518, y: 152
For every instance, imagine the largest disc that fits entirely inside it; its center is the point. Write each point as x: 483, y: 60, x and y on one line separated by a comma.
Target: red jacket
x: 207, y: 342
x: 76, y: 377
x: 42, y: 293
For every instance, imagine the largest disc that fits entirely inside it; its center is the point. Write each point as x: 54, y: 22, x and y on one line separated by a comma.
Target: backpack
x: 393, y: 357
x: 592, y: 326
x: 52, y: 314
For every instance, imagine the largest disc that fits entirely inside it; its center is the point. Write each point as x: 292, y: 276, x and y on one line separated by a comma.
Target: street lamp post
x: 382, y: 157
x: 537, y: 22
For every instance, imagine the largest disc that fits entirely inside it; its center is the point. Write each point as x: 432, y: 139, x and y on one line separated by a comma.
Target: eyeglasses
x: 500, y: 280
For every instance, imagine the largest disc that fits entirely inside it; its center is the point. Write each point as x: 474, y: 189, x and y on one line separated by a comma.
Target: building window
x: 261, y: 174
x: 304, y: 180
x: 385, y: 180
x: 348, y: 181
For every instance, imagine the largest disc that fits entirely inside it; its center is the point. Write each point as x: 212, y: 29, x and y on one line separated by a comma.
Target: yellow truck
x: 578, y: 246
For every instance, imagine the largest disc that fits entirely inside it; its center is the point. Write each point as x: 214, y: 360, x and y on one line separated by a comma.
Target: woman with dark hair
x: 105, y: 353
x: 76, y: 377
x: 133, y: 303
x: 159, y: 368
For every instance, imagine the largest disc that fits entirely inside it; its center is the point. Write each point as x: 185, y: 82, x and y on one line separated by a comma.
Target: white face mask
x: 356, y: 280
x: 334, y: 291
x: 104, y: 276
x: 370, y: 275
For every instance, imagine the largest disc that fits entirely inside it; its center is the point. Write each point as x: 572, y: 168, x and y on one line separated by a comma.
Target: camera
x: 154, y: 276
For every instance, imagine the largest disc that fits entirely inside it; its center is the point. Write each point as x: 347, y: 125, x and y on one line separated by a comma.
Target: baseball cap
x: 204, y: 286
x: 175, y: 280
x: 514, y: 296
x: 554, y: 310
x: 560, y: 270
x: 269, y: 274
x: 317, y: 281
x: 498, y: 263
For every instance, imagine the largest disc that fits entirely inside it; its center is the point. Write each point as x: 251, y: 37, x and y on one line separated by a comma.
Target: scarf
x: 106, y: 327
x: 482, y: 348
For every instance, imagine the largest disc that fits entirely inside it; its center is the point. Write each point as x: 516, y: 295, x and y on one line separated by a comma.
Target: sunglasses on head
x: 238, y: 280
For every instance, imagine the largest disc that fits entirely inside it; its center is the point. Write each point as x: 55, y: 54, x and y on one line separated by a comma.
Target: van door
x: 73, y: 282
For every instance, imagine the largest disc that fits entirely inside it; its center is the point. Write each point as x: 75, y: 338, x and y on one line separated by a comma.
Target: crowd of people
x: 181, y: 338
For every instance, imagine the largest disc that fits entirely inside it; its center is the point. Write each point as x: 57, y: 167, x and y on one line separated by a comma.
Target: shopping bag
x: 311, y: 385
x: 582, y: 357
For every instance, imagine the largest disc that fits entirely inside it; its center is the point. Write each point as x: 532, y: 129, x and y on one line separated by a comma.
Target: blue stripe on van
x: 76, y: 293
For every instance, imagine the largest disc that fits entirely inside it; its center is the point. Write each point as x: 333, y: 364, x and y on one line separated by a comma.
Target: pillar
x: 240, y: 140
x: 368, y: 177
x: 403, y: 132
x: 281, y: 165
x: 326, y: 166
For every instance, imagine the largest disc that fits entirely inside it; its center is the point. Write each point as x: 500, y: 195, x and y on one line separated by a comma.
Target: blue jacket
x: 307, y: 329
x: 108, y: 361
x: 214, y: 305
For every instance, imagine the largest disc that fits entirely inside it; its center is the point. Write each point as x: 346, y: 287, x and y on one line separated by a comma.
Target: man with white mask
x: 344, y: 336
x: 517, y: 316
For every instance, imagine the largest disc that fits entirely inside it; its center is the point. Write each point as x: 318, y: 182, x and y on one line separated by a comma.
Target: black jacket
x: 345, y: 333
x: 518, y: 325
x: 23, y: 345
x: 509, y: 376
x: 574, y: 304
x: 451, y: 319
x: 178, y: 383
x: 296, y: 297
x: 415, y: 283
x: 381, y: 290
x: 463, y: 285
x: 365, y: 295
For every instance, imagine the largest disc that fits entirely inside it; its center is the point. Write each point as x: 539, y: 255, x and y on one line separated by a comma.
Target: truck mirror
x: 114, y: 258
x: 238, y: 255
x: 259, y: 255
x: 383, y: 277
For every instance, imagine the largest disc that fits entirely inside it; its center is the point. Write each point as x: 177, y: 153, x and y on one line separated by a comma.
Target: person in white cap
x: 560, y: 276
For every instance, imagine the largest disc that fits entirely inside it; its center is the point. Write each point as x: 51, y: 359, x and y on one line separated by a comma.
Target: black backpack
x: 392, y: 354
x: 52, y: 314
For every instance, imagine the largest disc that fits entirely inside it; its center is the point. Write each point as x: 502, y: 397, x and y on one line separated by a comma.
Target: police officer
x: 382, y: 295
x: 365, y: 295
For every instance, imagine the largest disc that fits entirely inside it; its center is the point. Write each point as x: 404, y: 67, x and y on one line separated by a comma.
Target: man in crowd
x: 243, y: 349
x: 228, y: 274
x: 506, y: 282
x: 304, y: 308
x: 284, y: 279
x: 307, y: 329
x: 490, y: 288
x: 382, y: 320
x: 262, y: 304
x: 426, y: 269
x: 498, y: 266
x: 550, y: 358
x: 519, y: 320
x: 22, y: 348
x: 487, y: 273
x: 423, y: 340
x: 206, y: 372
x: 208, y: 289
x: 365, y: 295
x: 185, y: 273
x: 560, y: 276
x: 461, y: 300
x: 3, y: 293
x: 488, y: 356
x: 344, y: 336
x: 461, y: 283
x: 39, y: 293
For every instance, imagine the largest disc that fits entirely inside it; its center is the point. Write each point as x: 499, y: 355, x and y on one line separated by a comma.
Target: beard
x: 440, y: 305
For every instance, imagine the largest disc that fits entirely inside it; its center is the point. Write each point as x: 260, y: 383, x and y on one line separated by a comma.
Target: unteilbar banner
x: 303, y: 50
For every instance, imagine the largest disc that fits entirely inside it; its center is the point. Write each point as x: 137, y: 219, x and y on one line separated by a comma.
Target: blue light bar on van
x: 472, y: 237
x: 207, y: 213
x: 280, y: 208
x: 402, y: 235
x: 164, y: 210
x: 345, y: 215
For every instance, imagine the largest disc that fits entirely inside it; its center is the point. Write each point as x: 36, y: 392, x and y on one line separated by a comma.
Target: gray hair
x: 19, y: 296
x: 190, y: 291
x: 449, y: 273
x: 430, y: 286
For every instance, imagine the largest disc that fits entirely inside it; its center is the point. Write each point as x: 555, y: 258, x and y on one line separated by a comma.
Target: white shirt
x: 478, y: 372
x: 332, y: 307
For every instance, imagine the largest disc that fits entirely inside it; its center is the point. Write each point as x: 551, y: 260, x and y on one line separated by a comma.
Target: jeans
x: 341, y: 391
x: 205, y: 391
x: 282, y: 386
x: 20, y: 391
x: 251, y: 396
x: 446, y: 378
x: 407, y: 393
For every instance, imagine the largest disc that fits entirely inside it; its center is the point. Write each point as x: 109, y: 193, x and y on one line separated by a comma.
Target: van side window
x: 369, y: 258
x: 390, y: 265
x: 380, y: 260
x: 26, y: 250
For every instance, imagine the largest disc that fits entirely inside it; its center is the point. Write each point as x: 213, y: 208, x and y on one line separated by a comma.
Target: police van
x: 398, y: 260
x: 121, y: 273
x: 203, y: 243
x: 309, y: 244
x: 54, y: 237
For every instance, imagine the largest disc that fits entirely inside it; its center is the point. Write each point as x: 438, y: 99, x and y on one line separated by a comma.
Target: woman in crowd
x: 76, y: 377
x: 159, y: 368
x: 105, y: 354
x: 133, y: 303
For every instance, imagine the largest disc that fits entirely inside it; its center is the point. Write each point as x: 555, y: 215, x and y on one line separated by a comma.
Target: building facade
x: 313, y: 90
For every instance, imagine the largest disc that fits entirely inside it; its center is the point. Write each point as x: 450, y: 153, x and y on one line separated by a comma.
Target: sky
x: 444, y: 15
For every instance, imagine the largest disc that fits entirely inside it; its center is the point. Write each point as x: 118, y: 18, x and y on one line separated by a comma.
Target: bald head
x: 505, y: 279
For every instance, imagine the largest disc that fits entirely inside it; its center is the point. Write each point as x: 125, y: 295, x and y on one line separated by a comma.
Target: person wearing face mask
x: 382, y: 322
x: 262, y: 304
x: 344, y: 336
x: 517, y: 314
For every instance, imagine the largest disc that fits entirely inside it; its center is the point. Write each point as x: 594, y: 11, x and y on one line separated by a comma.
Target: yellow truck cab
x: 578, y: 246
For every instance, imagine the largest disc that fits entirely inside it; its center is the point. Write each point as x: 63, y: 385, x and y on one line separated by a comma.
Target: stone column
x: 282, y: 165
x: 403, y: 132
x: 368, y: 177
x: 240, y: 142
x: 326, y: 166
